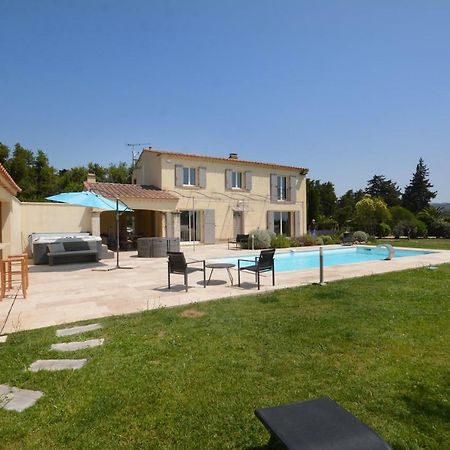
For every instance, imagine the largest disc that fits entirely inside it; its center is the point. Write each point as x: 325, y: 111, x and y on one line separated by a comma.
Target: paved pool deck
x: 74, y: 292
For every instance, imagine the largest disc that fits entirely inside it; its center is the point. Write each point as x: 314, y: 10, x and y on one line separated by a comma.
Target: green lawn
x: 438, y: 244
x: 377, y: 345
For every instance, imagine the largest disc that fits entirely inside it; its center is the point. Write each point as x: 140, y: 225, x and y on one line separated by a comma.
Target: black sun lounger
x: 319, y: 424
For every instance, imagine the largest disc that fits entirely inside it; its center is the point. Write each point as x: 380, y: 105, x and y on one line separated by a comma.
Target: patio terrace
x: 73, y: 292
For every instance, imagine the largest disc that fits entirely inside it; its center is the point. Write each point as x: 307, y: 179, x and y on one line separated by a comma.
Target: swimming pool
x: 300, y: 260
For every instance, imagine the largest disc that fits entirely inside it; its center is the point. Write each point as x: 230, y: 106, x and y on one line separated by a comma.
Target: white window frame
x: 236, y: 179
x: 282, y: 188
x: 189, y: 175
x: 278, y: 219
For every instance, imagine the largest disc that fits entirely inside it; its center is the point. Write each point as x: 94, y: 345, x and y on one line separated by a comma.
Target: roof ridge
x: 222, y: 158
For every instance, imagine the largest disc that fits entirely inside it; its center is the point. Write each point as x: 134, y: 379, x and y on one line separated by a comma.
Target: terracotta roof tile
x: 118, y: 190
x: 11, y: 184
x: 222, y: 159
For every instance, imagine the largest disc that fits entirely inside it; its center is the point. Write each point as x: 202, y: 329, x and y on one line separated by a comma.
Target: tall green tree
x: 371, y: 211
x: 379, y: 186
x: 418, y: 193
x: 21, y: 168
x: 45, y: 176
x: 4, y: 155
x: 345, y: 207
x: 321, y: 198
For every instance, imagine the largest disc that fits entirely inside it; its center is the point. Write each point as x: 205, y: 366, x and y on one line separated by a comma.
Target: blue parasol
x: 93, y: 200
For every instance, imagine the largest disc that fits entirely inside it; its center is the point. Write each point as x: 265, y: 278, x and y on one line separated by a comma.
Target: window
x: 236, y: 180
x: 189, y: 176
x: 281, y: 223
x: 281, y: 188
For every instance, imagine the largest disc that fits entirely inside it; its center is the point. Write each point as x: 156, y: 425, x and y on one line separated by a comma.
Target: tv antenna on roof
x: 134, y: 156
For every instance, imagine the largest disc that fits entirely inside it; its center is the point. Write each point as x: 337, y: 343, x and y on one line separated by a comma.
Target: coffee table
x: 213, y: 266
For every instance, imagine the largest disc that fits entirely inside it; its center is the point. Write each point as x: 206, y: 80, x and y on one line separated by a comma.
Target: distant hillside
x: 444, y: 206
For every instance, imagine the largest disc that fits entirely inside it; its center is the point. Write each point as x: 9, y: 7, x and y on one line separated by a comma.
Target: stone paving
x: 74, y: 292
x: 78, y: 330
x: 74, y: 346
x: 53, y: 365
x: 15, y: 399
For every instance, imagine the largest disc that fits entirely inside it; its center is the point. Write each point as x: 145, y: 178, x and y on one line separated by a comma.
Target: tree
x: 345, y: 207
x: 417, y: 194
x: 399, y: 214
x: 370, y: 211
x: 313, y: 200
x: 21, y: 168
x: 4, y: 155
x: 321, y: 199
x: 388, y: 190
x: 45, y: 177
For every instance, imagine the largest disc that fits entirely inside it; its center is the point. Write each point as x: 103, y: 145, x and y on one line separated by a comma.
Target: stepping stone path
x: 15, y: 399
x: 73, y: 346
x: 78, y: 330
x: 57, y: 364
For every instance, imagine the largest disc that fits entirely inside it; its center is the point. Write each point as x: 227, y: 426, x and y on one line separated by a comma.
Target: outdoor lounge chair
x: 240, y: 239
x: 319, y: 424
x: 177, y: 264
x: 263, y: 263
x: 348, y: 239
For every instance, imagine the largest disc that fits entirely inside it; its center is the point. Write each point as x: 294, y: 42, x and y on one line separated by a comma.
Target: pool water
x: 290, y: 261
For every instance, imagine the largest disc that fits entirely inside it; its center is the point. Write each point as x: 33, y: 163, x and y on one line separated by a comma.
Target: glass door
x: 190, y: 226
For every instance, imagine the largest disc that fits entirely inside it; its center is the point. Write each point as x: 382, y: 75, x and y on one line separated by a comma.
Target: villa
x: 207, y: 198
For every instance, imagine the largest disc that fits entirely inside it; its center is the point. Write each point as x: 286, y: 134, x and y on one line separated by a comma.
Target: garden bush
x: 262, y: 238
x: 280, y: 241
x: 383, y: 230
x: 318, y: 241
x: 303, y: 241
x: 360, y: 236
x: 439, y: 229
x: 421, y: 229
x: 327, y: 239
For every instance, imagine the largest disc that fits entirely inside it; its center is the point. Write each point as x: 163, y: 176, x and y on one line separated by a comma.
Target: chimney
x: 233, y: 156
x: 91, y: 178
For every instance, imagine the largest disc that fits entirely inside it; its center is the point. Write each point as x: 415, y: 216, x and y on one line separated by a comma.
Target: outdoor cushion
x: 56, y: 247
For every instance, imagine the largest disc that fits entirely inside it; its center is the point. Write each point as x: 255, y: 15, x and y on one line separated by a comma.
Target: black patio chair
x: 177, y: 264
x: 263, y: 263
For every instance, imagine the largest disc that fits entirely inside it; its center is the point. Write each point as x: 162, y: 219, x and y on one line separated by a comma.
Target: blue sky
x: 347, y: 88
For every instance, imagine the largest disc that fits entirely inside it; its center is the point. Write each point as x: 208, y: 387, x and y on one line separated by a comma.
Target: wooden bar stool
x: 15, y: 265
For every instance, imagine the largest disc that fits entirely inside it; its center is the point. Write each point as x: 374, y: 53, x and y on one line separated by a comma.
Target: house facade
x: 210, y: 199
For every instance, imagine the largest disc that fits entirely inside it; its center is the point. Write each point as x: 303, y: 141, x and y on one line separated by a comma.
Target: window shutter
x: 209, y: 226
x: 202, y: 177
x: 270, y: 220
x: 178, y: 175
x: 293, y: 189
x: 228, y: 178
x: 273, y: 188
x: 296, y: 223
x: 248, y: 181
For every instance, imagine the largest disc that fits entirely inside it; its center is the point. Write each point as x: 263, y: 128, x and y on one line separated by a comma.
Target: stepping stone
x: 15, y: 399
x: 3, y: 339
x: 73, y: 346
x: 57, y: 364
x: 78, y: 330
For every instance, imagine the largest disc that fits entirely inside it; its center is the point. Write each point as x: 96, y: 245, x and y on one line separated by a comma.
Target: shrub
x: 405, y: 228
x: 327, y: 240
x: 318, y: 241
x: 305, y: 241
x: 360, y: 236
x: 262, y: 238
x: 383, y: 229
x: 421, y: 229
x: 280, y: 241
x: 439, y: 229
